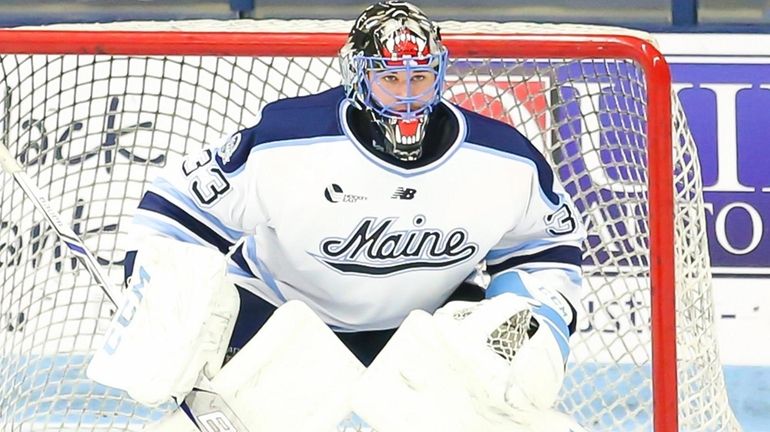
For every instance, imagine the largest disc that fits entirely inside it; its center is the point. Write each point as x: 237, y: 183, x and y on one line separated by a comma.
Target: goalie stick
x: 197, y: 406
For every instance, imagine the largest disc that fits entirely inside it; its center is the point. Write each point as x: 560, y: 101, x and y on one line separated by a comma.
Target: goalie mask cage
x: 93, y: 112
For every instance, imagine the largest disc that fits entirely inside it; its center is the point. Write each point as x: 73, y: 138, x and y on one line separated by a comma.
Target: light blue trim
x: 236, y: 270
x: 167, y: 188
x: 299, y: 142
x: 511, y: 283
x: 495, y: 254
x: 507, y: 283
x: 289, y: 143
x: 168, y: 229
x: 264, y: 272
x: 557, y: 325
x: 527, y: 161
x: 574, y: 276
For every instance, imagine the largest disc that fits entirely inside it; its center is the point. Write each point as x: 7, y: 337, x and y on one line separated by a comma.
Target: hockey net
x: 94, y: 113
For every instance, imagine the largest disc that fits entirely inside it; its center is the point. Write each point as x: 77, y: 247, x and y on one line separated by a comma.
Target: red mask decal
x: 406, y: 46
x: 405, y: 43
x: 408, y: 128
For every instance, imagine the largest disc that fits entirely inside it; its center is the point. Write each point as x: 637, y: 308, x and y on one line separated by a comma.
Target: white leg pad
x: 293, y: 375
x: 410, y: 387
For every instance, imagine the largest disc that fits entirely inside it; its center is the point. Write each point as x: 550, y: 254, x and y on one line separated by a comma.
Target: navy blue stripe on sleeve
x: 237, y: 257
x: 156, y: 203
x: 128, y: 266
x: 559, y: 254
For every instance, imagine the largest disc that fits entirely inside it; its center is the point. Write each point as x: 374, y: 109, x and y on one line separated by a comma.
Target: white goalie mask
x: 393, y: 66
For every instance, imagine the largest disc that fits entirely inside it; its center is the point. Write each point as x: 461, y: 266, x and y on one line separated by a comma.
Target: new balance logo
x: 404, y: 193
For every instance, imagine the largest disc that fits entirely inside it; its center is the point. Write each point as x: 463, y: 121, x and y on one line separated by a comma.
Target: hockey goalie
x: 326, y: 256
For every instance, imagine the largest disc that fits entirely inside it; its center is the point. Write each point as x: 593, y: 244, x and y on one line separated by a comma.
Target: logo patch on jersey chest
x: 334, y: 194
x: 226, y: 151
x: 374, y: 248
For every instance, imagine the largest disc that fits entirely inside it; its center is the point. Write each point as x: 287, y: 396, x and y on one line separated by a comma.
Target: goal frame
x: 579, y: 46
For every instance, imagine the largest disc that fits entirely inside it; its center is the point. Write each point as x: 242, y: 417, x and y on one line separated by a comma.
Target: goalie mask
x: 393, y: 67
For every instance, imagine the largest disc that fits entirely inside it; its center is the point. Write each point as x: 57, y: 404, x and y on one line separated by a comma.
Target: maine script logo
x: 374, y: 248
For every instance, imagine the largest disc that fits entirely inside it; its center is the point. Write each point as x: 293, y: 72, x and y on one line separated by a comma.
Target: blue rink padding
x: 748, y: 388
x: 748, y: 392
x: 620, y: 385
x: 55, y: 389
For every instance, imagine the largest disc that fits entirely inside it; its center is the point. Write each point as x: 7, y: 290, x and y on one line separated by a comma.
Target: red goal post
x: 652, y: 115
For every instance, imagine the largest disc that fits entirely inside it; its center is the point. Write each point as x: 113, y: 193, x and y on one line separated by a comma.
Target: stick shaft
x: 72, y: 240
x: 10, y: 165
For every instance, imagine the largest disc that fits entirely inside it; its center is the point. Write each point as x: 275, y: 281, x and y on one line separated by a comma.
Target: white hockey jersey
x: 314, y: 215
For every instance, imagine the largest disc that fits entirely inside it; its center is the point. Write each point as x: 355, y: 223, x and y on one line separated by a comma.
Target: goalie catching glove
x: 494, y: 365
x: 516, y: 343
x: 522, y: 323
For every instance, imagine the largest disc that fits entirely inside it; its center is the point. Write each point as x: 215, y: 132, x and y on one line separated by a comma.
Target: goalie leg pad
x: 293, y: 375
x: 409, y: 388
x: 174, y: 323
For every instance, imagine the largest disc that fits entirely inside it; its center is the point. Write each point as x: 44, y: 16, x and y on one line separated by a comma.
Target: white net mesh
x: 93, y: 130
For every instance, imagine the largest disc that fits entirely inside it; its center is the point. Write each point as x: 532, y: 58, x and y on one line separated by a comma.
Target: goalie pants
x: 365, y: 345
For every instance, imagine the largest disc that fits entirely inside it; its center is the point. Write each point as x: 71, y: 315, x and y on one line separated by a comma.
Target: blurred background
x: 749, y: 15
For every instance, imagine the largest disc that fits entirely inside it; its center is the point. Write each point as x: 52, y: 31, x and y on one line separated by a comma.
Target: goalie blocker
x: 175, y: 323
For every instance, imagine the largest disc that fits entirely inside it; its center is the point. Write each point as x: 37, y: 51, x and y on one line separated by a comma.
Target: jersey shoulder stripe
x: 155, y: 203
x: 165, y: 189
x: 495, y: 135
x: 559, y: 254
x: 285, y: 120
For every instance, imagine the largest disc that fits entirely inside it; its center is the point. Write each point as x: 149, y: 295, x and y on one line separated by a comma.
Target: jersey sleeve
x: 208, y: 198
x: 541, y: 256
